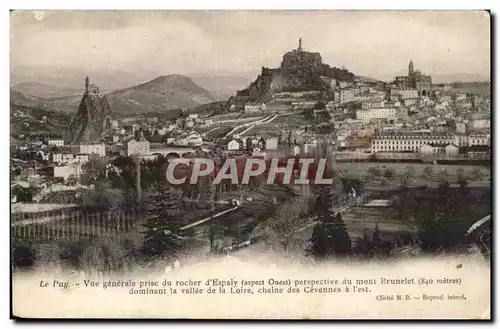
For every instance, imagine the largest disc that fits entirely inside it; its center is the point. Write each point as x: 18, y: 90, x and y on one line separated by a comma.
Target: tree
x: 375, y: 172
x: 320, y: 105
x: 48, y: 257
x: 464, y: 186
x: 289, y: 217
x: 427, y: 172
x: 72, y: 180
x: 380, y: 248
x: 443, y: 175
x: 160, y: 239
x: 376, y: 239
x: 319, y: 246
x: 410, y: 172
x: 329, y: 238
x: 363, y: 245
x: 249, y: 144
x: 461, y: 174
x: 441, y: 216
x: 119, y: 254
x: 324, y: 199
x: 389, y: 173
x: 336, y: 233
x: 477, y: 174
x: 92, y: 258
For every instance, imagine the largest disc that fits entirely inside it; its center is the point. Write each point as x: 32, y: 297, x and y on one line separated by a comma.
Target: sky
x: 376, y: 44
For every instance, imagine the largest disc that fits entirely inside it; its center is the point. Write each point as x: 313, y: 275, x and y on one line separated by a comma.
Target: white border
x: 190, y: 4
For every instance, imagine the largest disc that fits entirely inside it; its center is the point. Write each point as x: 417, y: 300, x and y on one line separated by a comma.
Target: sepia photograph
x: 250, y: 164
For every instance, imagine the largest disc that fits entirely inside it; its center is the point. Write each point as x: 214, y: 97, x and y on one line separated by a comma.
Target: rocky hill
x: 92, y: 119
x: 299, y: 70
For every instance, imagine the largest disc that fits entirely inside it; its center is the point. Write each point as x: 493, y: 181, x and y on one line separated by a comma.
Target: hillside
x: 367, y: 79
x: 19, y: 98
x: 161, y: 94
x: 460, y: 77
x: 28, y: 119
x: 42, y: 90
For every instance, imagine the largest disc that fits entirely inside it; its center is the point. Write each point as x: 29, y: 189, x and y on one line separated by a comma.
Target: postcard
x: 255, y: 164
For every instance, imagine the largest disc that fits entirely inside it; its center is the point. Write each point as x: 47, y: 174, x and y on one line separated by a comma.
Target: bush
x: 427, y: 172
x: 375, y: 172
x: 477, y: 174
x: 389, y: 173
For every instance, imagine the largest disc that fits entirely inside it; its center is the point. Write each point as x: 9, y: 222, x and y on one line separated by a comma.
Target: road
x: 250, y: 125
x: 206, y: 219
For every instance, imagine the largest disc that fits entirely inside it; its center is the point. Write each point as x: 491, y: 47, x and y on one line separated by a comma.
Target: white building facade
x: 55, y: 142
x: 98, y: 149
x: 408, y: 142
x: 376, y: 113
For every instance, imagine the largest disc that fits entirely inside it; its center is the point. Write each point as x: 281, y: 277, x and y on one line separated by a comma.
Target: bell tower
x: 410, y: 68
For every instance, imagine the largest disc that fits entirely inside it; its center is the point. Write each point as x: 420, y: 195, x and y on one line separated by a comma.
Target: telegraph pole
x: 138, y: 177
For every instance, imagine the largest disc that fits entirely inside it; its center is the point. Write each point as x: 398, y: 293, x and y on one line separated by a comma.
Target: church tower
x: 410, y: 68
x: 87, y: 84
x: 300, y: 45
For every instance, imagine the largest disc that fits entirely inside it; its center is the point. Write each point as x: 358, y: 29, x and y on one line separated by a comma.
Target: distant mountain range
x: 221, y: 86
x: 41, y: 90
x: 66, y: 83
x: 161, y: 94
x: 129, y: 93
x: 460, y: 77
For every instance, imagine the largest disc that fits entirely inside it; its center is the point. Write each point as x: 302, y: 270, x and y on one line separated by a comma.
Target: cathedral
x: 414, y: 79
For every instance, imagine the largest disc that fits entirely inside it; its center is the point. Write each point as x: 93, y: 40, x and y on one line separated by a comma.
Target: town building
x: 140, y: 146
x: 414, y: 79
x: 480, y: 124
x: 271, y: 143
x: 62, y: 157
x: 189, y: 123
x: 372, y: 103
x: 73, y: 169
x: 346, y: 95
x: 385, y: 113
x: 483, y: 139
x: 254, y: 107
x: 89, y: 148
x: 408, y: 93
x: 55, y: 142
x: 82, y: 158
x: 408, y: 141
x: 234, y: 145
